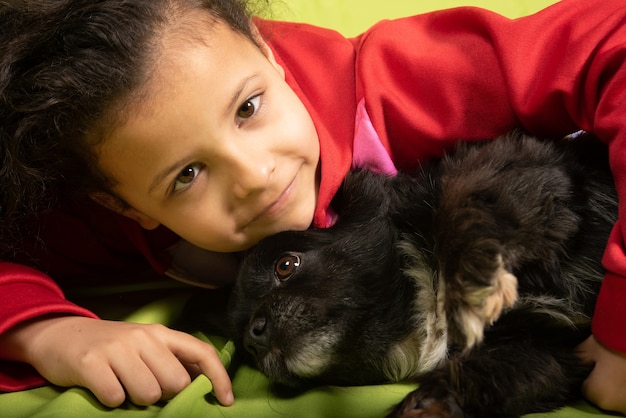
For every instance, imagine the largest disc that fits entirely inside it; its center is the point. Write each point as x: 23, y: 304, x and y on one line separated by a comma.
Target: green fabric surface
x: 352, y: 17
x: 254, y: 398
x: 253, y: 395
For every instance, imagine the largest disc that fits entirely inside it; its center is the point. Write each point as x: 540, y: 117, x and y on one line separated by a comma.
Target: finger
x: 215, y: 371
x: 604, y: 396
x: 140, y: 383
x: 192, y: 351
x: 193, y: 370
x: 170, y: 373
x: 586, y: 350
x: 104, y: 384
x: 587, y: 387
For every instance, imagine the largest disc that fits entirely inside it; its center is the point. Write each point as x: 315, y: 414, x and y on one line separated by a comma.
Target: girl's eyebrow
x: 166, y: 172
x: 234, y: 101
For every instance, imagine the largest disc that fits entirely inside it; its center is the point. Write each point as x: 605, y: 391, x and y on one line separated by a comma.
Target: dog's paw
x: 427, y: 404
x: 471, y: 305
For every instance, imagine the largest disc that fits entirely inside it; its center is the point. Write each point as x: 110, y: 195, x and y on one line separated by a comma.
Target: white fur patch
x: 313, y: 354
x: 483, y: 305
x: 427, y: 346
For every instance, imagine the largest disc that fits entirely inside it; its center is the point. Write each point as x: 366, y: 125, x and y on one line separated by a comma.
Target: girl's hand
x: 114, y: 359
x: 606, y: 385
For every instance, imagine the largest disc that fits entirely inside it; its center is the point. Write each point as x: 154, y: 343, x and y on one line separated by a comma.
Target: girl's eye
x: 187, y: 176
x: 248, y: 108
x: 286, y: 266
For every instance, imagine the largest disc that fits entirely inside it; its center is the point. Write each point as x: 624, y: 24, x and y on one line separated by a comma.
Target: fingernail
x: 229, y: 399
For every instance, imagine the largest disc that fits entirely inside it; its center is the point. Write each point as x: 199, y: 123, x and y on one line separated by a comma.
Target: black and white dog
x: 475, y: 278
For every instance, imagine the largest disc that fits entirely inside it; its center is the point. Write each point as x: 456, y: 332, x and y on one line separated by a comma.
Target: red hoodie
x: 401, y: 93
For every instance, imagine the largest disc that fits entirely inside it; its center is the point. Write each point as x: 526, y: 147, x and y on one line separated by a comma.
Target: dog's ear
x: 363, y: 194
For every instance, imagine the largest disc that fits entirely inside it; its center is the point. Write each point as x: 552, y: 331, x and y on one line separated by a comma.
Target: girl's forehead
x: 180, y: 54
x: 174, y: 46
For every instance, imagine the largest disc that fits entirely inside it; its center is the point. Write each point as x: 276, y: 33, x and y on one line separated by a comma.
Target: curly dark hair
x: 66, y: 69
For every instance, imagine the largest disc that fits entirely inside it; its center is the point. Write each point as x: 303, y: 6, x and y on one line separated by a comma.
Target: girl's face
x: 220, y: 150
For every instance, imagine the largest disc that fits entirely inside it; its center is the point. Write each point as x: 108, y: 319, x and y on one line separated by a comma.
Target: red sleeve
x: 431, y: 79
x: 76, y: 247
x: 26, y: 293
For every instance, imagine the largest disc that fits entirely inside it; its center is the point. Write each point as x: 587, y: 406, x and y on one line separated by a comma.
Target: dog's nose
x: 256, y: 341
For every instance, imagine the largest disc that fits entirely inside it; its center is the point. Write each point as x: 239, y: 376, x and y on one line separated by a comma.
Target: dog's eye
x: 286, y: 265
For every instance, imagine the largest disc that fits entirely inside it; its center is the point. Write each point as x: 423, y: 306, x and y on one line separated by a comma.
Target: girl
x: 146, y: 132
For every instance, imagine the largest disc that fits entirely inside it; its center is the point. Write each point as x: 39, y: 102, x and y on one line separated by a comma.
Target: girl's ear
x: 265, y: 49
x: 116, y: 206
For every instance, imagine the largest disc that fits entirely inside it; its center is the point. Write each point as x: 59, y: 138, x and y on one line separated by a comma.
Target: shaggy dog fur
x: 476, y: 278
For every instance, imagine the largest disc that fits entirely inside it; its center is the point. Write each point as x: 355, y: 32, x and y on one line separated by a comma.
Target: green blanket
x: 253, y: 396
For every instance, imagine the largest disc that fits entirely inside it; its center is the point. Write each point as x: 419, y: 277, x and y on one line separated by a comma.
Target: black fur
x: 475, y: 278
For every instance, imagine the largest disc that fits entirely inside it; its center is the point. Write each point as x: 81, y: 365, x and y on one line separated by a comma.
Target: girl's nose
x: 250, y: 172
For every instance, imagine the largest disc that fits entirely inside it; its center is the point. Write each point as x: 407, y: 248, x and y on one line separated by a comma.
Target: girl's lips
x: 277, y: 205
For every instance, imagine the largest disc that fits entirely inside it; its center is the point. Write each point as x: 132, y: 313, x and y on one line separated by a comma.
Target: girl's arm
x: 115, y: 359
x: 69, y: 346
x: 26, y: 294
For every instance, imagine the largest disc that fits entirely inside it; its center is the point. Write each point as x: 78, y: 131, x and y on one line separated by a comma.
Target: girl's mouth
x: 277, y: 206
